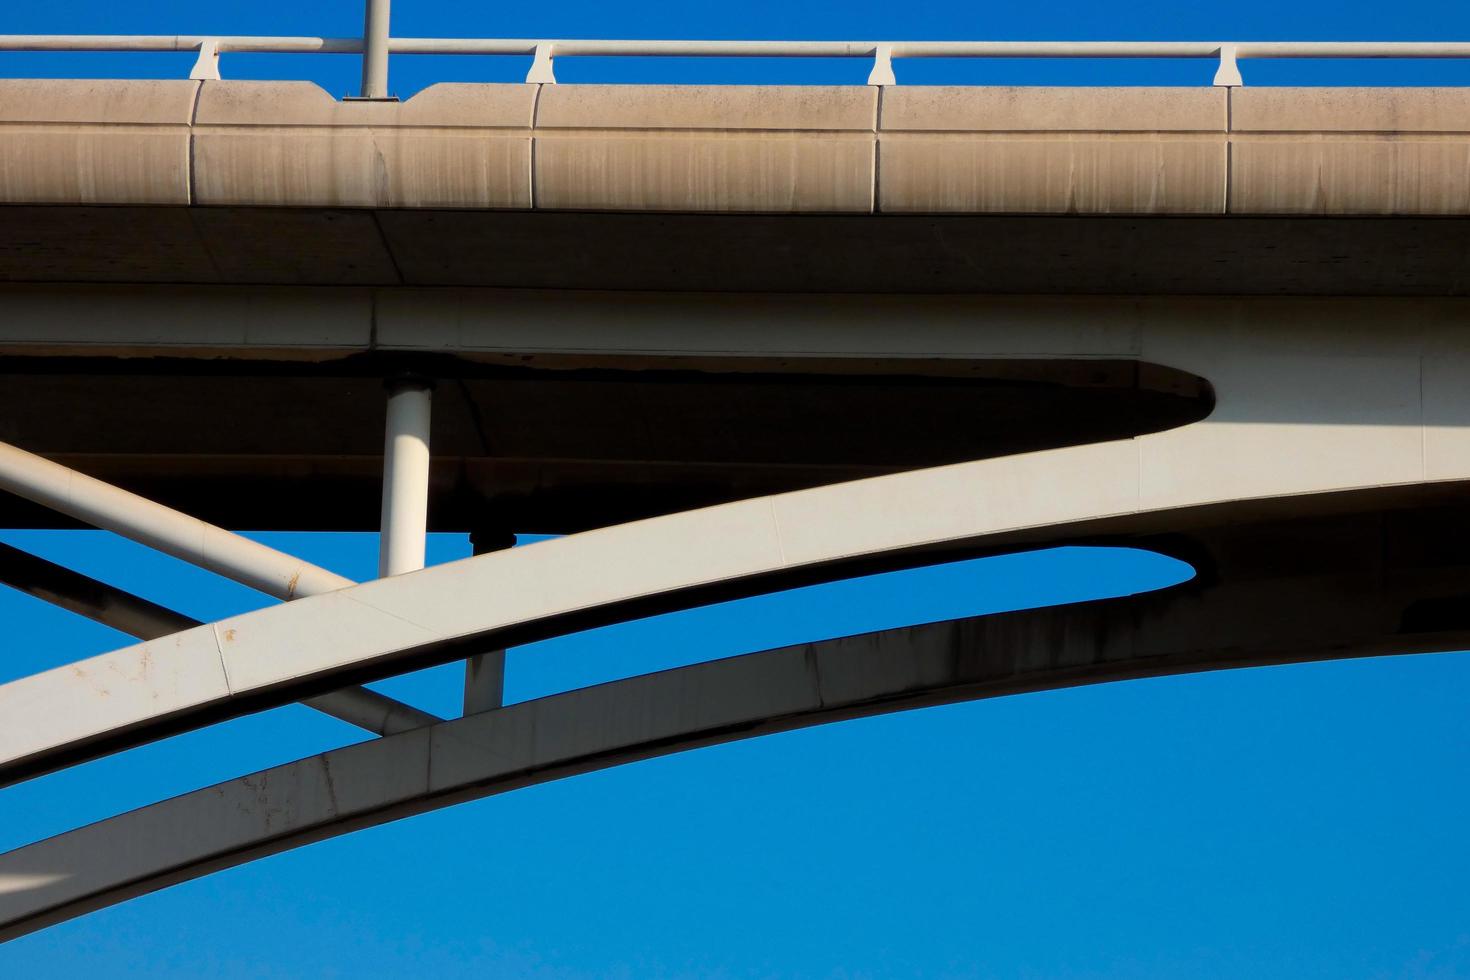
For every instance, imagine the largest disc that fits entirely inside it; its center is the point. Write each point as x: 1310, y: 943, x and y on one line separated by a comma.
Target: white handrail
x: 880, y: 51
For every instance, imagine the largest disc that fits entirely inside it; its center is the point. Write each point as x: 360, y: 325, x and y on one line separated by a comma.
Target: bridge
x: 725, y: 340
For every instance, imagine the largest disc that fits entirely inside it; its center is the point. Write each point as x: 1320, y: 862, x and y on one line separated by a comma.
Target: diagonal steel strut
x: 136, y: 616
x: 155, y: 526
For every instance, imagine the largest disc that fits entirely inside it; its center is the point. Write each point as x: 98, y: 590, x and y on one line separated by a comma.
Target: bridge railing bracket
x: 206, y: 66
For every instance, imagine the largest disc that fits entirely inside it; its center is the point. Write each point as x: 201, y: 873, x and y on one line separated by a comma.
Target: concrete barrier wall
x: 733, y: 149
x: 290, y: 143
x: 95, y: 142
x: 1350, y: 151
x: 1051, y: 150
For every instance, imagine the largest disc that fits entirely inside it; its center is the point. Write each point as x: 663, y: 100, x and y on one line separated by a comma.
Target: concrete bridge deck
x: 762, y: 188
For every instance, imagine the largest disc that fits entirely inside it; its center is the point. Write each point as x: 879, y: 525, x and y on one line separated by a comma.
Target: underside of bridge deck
x: 290, y: 445
x: 932, y: 253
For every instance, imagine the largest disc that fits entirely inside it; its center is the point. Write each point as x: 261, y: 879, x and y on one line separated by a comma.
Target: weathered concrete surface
x: 1052, y: 150
x: 1350, y: 151
x: 1266, y: 593
x: 907, y: 189
x: 291, y: 143
x: 741, y: 149
x: 705, y: 148
x: 95, y: 142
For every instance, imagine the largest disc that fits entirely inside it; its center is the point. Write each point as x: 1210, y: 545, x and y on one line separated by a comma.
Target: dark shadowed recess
x: 552, y: 448
x: 935, y: 253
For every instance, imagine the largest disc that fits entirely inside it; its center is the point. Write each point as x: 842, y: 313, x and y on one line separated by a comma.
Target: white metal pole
x: 161, y: 528
x: 375, y: 50
x: 405, y: 478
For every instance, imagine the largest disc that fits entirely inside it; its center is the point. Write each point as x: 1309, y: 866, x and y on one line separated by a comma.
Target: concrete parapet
x: 1350, y: 151
x: 705, y: 148
x: 1350, y: 110
x: 741, y: 149
x: 292, y: 144
x: 1052, y: 150
x: 95, y: 142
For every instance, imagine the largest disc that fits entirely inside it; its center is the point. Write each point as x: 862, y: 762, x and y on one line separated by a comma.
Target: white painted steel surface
x: 161, y: 528
x: 757, y: 49
x: 199, y: 543
x: 1329, y: 404
x: 375, y: 49
x: 405, y: 479
x: 375, y: 624
x: 718, y: 701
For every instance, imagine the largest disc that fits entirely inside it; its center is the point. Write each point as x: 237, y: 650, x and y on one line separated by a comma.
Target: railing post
x: 542, y: 70
x: 1228, y: 74
x: 375, y: 50
x: 206, y: 66
x: 882, y: 73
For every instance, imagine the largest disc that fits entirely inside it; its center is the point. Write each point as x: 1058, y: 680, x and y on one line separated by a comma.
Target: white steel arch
x: 281, y: 653
x: 1311, y: 419
x: 1301, y: 417
x: 1197, y: 626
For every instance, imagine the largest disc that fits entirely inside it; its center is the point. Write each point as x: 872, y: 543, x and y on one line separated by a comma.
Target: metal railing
x: 882, y: 53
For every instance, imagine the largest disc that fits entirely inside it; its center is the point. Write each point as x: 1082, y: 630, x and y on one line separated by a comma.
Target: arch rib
x: 1368, y: 414
x: 283, y: 653
x: 232, y: 555
x: 1198, y: 626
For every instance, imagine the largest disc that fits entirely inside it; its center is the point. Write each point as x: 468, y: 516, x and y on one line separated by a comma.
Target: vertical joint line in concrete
x: 877, y: 151
x: 531, y: 174
x: 189, y: 197
x: 1229, y: 146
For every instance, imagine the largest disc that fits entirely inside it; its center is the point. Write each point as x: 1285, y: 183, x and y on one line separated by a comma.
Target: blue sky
x: 1301, y: 821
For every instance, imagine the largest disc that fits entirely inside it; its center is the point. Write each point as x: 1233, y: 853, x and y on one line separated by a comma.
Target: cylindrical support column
x: 405, y: 478
x: 375, y: 50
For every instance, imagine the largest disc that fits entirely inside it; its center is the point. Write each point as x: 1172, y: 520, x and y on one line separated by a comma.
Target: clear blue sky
x: 1288, y: 822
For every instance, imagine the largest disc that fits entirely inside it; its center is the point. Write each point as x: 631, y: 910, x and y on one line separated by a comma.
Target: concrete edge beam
x: 740, y: 149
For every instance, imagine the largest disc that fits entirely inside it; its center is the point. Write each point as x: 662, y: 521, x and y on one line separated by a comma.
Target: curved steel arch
x: 1303, y: 417
x: 1343, y: 601
x: 283, y: 653
x: 1297, y: 435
